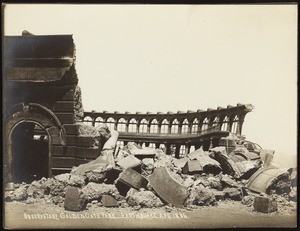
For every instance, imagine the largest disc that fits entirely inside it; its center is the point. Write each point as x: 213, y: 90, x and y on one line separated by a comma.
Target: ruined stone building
x: 42, y: 107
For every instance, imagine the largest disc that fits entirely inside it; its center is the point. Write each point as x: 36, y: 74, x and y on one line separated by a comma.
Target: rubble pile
x: 146, y: 177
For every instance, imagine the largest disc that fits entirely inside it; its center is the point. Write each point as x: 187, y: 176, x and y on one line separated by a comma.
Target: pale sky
x: 180, y: 57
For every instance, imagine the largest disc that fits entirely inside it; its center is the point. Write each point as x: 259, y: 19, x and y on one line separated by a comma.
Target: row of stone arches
x: 165, y: 126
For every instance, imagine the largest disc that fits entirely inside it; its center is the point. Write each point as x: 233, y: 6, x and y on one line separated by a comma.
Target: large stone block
x: 74, y: 201
x: 133, y: 179
x: 71, y: 129
x: 129, y: 162
x: 109, y: 201
x: 167, y: 187
x: 265, y: 204
x: 192, y: 166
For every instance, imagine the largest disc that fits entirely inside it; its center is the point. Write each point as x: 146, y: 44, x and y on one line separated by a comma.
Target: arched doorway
x: 30, y: 152
x: 31, y: 133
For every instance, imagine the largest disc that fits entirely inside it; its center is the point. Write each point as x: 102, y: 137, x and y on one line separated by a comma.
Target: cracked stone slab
x: 167, y: 187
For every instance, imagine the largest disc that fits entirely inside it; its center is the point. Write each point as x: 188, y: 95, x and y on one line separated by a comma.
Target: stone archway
x: 24, y: 122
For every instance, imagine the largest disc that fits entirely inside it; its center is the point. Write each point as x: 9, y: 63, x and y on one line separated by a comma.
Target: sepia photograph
x: 121, y: 116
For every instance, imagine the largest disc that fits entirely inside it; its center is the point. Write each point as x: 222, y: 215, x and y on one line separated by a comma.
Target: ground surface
x: 227, y: 214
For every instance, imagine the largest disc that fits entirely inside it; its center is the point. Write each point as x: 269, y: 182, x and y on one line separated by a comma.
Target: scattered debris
x: 146, y: 177
x: 144, y: 199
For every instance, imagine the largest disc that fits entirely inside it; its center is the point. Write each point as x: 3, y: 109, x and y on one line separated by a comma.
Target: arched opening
x: 225, y: 124
x: 98, y: 121
x: 110, y: 122
x: 204, y: 126
x: 88, y: 120
x: 132, y: 127
x: 185, y: 127
x: 164, y: 126
x: 215, y: 124
x: 234, y: 126
x: 195, y: 126
x: 154, y: 126
x: 27, y: 130
x: 30, y: 152
x: 143, y: 126
x: 175, y: 127
x: 121, y: 127
x: 182, y: 151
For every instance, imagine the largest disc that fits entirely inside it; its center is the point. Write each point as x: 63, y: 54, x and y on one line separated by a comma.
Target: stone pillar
x: 187, y: 148
x: 177, y: 151
x: 168, y: 149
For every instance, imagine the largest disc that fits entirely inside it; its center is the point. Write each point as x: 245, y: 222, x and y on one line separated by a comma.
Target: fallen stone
x: 147, y: 166
x: 200, y: 196
x: 131, y: 192
x: 37, y: 189
x: 267, y: 156
x: 144, y: 199
x: 246, y: 169
x: 248, y: 200
x: 281, y: 186
x: 129, y: 162
x: 97, y: 177
x: 54, y: 187
x: 63, y: 177
x: 228, y: 166
x: 219, y: 195
x: 196, y: 155
x: 227, y: 181
x: 188, y: 181
x: 253, y: 156
x: 143, y: 153
x: 133, y: 179
x: 77, y: 180
x: 149, y: 162
x: 57, y: 199
x: 109, y: 201
x: 215, y: 183
x: 265, y: 179
x: 207, y: 164
x: 94, y: 191
x: 180, y: 162
x: 167, y: 187
x: 163, y: 160
x: 192, y: 166
x: 220, y: 150
x: 131, y: 146
x: 201, y: 181
x: 19, y: 194
x: 233, y: 194
x: 74, y: 200
x: 265, y: 204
